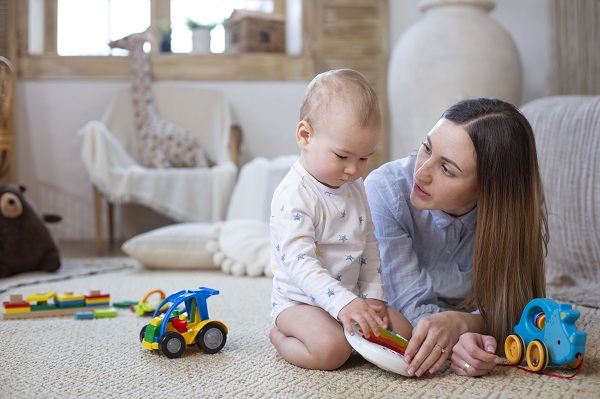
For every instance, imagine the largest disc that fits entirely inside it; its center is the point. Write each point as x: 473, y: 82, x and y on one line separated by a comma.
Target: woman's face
x: 446, y: 173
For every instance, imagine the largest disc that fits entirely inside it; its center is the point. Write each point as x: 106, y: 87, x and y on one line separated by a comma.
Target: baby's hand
x: 381, y: 309
x: 364, y: 314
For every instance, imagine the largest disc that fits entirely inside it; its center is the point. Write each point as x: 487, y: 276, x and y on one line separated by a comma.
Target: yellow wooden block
x: 41, y: 297
x: 70, y: 296
x: 17, y: 310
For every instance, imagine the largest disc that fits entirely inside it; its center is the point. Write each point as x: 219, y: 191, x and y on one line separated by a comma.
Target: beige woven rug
x: 103, y: 358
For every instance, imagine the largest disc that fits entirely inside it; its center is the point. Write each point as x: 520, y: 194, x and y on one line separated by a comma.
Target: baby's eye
x: 340, y: 156
x: 365, y: 159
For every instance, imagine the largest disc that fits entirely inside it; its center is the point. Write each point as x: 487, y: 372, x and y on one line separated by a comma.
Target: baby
x: 325, y: 257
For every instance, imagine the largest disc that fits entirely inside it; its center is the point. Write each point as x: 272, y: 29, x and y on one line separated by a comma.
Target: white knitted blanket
x: 567, y: 130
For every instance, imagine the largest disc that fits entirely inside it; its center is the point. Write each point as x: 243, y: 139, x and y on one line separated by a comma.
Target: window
x: 51, y: 46
x: 86, y: 27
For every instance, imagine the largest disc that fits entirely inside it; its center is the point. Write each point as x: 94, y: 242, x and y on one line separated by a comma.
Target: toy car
x: 548, y: 331
x: 171, y: 331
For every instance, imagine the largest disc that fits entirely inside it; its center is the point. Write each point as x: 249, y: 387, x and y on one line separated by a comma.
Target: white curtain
x: 576, y: 42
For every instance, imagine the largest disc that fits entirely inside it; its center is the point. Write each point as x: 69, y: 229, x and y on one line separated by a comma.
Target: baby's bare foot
x: 275, y: 335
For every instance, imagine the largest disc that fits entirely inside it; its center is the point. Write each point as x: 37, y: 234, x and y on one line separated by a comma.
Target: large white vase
x: 455, y: 51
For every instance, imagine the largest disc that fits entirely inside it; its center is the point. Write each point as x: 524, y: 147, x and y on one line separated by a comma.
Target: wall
x: 49, y: 113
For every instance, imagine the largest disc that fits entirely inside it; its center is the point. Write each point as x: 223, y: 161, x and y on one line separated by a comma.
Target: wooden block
x: 84, y: 315
x: 43, y: 313
x: 108, y: 312
x: 69, y: 296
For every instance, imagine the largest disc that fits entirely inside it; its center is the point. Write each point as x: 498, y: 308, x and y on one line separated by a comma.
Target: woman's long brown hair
x: 512, y: 228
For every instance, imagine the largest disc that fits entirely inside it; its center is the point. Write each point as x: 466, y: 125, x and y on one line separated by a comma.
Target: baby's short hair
x: 340, y: 87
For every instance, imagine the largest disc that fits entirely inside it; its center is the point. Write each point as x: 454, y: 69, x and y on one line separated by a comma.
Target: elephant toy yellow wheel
x: 574, y: 365
x: 537, y: 356
x: 514, y: 348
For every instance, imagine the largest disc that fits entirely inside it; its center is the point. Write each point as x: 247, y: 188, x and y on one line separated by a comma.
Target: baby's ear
x: 304, y: 133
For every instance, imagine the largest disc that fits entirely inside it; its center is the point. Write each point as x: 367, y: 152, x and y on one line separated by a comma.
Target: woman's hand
x: 474, y: 355
x: 434, y: 337
x: 431, y: 342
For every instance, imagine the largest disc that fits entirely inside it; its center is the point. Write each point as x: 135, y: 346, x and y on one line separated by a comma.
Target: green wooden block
x: 43, y: 307
x: 106, y: 312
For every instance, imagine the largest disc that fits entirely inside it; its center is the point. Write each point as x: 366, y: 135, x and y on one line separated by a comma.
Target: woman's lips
x: 419, y: 191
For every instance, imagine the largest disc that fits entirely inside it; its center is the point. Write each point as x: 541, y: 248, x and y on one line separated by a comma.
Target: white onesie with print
x: 323, y: 250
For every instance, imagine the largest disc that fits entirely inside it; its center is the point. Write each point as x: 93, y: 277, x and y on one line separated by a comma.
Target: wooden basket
x: 252, y: 31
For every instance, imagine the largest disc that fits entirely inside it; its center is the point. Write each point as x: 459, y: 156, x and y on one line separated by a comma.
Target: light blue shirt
x: 426, y: 255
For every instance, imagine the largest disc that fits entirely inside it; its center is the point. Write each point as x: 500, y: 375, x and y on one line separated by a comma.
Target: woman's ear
x: 304, y: 133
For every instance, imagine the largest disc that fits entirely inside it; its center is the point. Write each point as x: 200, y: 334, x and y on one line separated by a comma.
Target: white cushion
x: 177, y: 246
x: 241, y: 247
x: 253, y: 191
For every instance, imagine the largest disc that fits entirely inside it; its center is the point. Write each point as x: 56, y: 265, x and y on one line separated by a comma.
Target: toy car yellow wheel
x: 212, y: 338
x: 537, y: 356
x: 514, y: 348
x: 171, y: 344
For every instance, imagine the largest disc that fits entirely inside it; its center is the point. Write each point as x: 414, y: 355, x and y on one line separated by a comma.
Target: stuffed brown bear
x: 26, y: 243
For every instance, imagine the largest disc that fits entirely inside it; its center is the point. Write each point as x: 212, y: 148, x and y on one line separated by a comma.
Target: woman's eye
x: 427, y: 150
x: 447, y: 171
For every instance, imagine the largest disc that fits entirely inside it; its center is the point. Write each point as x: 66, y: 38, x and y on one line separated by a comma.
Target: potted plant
x: 164, y: 32
x: 200, y: 36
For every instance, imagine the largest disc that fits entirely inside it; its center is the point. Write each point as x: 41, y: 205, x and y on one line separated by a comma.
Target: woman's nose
x: 423, y: 173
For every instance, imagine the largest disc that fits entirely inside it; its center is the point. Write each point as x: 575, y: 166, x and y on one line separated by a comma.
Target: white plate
x: 380, y: 356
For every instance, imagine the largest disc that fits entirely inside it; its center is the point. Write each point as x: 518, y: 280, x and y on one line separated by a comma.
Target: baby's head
x: 340, y: 125
x: 343, y: 91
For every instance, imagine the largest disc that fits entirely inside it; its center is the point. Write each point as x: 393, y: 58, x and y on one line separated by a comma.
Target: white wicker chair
x: 184, y: 194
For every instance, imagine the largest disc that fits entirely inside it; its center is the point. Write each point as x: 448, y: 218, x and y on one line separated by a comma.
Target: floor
x: 87, y: 249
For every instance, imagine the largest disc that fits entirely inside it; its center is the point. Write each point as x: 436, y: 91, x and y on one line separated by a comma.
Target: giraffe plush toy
x: 162, y: 144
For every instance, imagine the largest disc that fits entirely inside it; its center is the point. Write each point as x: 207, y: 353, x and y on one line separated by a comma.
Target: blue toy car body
x: 171, y: 331
x: 548, y: 331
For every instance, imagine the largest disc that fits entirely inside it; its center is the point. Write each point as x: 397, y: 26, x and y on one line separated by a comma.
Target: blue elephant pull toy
x: 546, y: 335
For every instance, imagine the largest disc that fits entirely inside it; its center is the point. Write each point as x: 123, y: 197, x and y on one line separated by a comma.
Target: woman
x: 462, y: 230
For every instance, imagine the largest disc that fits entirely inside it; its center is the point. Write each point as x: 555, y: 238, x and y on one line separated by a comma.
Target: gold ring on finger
x: 466, y: 367
x: 443, y: 350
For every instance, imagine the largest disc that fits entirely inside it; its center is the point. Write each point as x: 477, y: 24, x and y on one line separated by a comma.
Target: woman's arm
x: 370, y: 282
x: 408, y: 287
